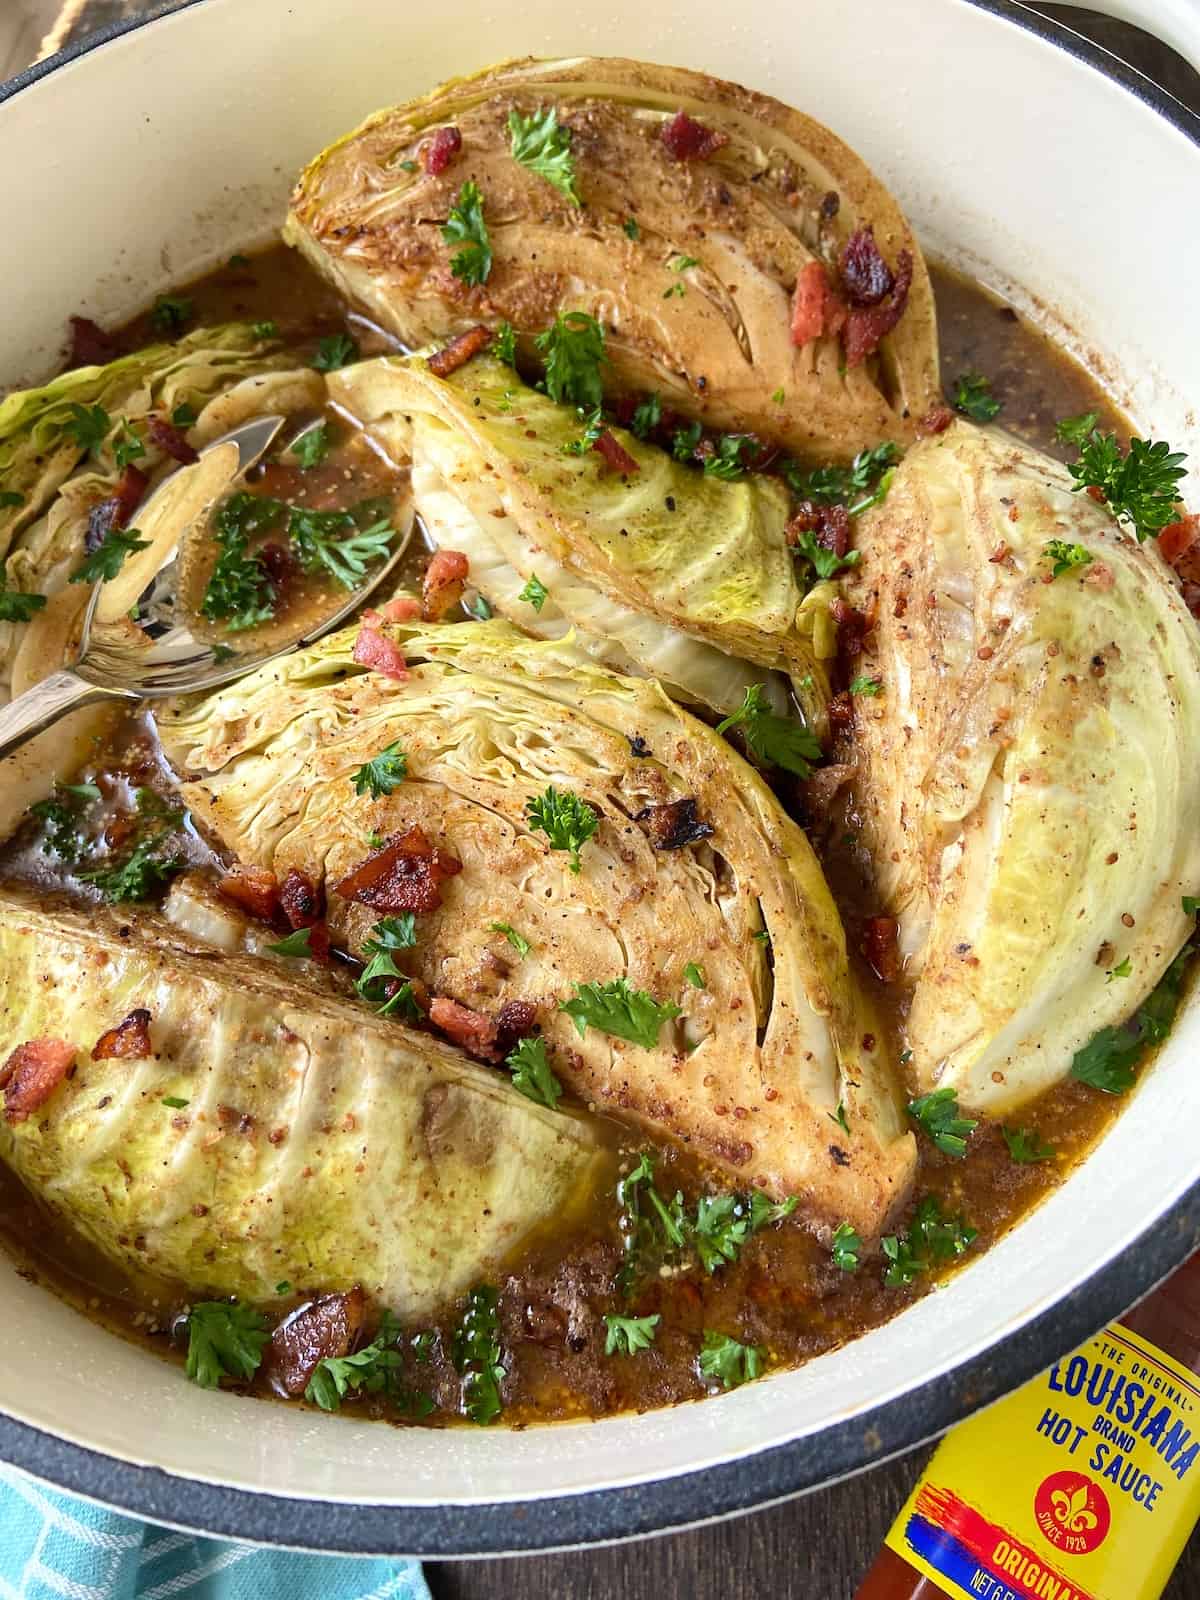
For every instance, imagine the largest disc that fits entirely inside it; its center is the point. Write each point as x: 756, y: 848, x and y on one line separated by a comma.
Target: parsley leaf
x: 593, y: 427
x: 936, y: 1114
x: 686, y: 441
x: 839, y: 1116
x: 238, y: 592
x: 1123, y: 969
x: 107, y: 559
x: 333, y: 540
x: 1140, y: 487
x: 372, y: 1368
x: 477, y: 1356
x: 724, y: 1222
x: 1065, y: 556
x: 535, y: 593
x: 618, y: 1010
x: 694, y: 975
x: 127, y: 445
x: 1107, y: 1061
x: 929, y: 1239
x: 383, y: 773
x: 632, y: 231
x: 338, y: 350
x: 834, y: 485
x: 779, y: 741
x: 825, y: 563
x: 1025, y: 1147
x: 143, y: 872
x: 846, y: 1245
x: 170, y: 313
x: 403, y: 1004
x: 479, y: 608
x: 225, y: 1340
x: 16, y: 606
x: 391, y: 933
x: 504, y: 344
x: 1190, y: 904
x: 532, y: 1073
x: 646, y: 417
x: 297, y: 944
x: 88, y: 425
x: 566, y: 820
x: 871, y: 687
x: 311, y: 448
x: 519, y: 943
x: 724, y: 1360
x: 465, y: 226
x: 974, y: 398
x: 573, y: 349
x: 183, y: 416
x: 625, y: 1336
x: 726, y: 461
x: 539, y: 143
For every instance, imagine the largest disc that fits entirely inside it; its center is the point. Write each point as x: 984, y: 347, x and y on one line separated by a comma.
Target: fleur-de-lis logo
x: 1071, y: 1511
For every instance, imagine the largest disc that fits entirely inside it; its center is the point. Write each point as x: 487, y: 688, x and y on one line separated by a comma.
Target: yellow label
x: 1083, y: 1485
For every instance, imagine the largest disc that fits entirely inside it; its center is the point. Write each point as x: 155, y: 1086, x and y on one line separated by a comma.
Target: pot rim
x: 753, y: 1482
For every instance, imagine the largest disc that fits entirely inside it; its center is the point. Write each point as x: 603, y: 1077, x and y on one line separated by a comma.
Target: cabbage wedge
x: 277, y: 1133
x: 1028, y: 776
x: 664, y: 571
x: 748, y: 1067
x: 691, y: 264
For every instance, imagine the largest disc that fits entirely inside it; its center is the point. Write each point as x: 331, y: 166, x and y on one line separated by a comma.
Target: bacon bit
x: 880, y: 946
x: 1191, y: 597
x: 866, y: 276
x: 851, y: 624
x: 375, y: 650
x: 229, y: 1117
x: 691, y: 141
x: 515, y: 1021
x: 615, y: 454
x: 1177, y: 540
x: 405, y: 875
x: 830, y: 524
x: 253, y: 888
x: 301, y: 900
x: 1099, y: 576
x: 116, y: 511
x: 170, y: 441
x: 32, y: 1073
x: 934, y: 422
x: 324, y: 1329
x: 866, y: 326
x: 278, y: 564
x: 1096, y: 493
x: 459, y: 351
x: 443, y: 585
x: 129, y: 1040
x: 674, y: 825
x: 817, y: 308
x: 90, y: 345
x: 404, y: 608
x: 470, y: 1030
x: 823, y: 788
x: 841, y: 711
x: 1001, y: 556
x: 437, y: 152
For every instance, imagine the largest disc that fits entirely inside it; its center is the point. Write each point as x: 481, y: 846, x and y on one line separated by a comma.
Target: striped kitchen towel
x: 53, y: 1547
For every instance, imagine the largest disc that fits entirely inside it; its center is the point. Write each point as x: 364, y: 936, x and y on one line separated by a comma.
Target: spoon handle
x: 38, y: 707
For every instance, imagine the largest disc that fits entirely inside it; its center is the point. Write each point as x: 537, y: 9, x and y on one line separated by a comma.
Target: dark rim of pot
x: 687, y: 1499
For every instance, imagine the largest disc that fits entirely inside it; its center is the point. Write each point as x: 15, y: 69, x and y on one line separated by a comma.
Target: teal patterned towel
x: 56, y: 1548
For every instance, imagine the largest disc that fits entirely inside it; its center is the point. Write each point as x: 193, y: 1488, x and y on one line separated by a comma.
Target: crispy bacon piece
x: 675, y: 824
x: 443, y: 584
x: 253, y: 888
x: 170, y: 441
x: 323, y: 1329
x: 1178, y: 541
x: 841, y: 712
x: 823, y: 788
x: 459, y: 351
x: 279, y: 565
x: 128, y: 1041
x: 32, y: 1073
x: 301, y: 900
x: 830, y: 525
x: 439, y: 150
x: 375, y: 650
x: 515, y: 1020
x: 405, y: 875
x: 404, y: 608
x: 116, y: 511
x: 935, y: 421
x: 615, y: 454
x: 90, y: 345
x: 880, y: 947
x: 851, y: 624
x: 867, y: 325
x: 818, y: 311
x: 470, y: 1030
x: 691, y: 141
x: 866, y: 276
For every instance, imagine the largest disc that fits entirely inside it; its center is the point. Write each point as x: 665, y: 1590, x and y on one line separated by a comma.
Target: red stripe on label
x: 1027, y: 1574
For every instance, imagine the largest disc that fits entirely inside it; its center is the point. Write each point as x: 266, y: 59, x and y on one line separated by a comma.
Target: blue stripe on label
x: 954, y: 1561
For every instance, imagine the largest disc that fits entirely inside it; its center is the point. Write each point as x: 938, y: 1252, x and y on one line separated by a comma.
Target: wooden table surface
x: 814, y: 1548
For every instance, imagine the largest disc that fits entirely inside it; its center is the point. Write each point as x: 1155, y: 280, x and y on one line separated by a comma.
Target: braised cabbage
x: 1028, y: 772
x: 691, y: 264
x: 753, y: 1063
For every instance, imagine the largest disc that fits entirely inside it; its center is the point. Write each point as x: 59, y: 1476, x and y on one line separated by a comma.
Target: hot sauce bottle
x: 1083, y: 1485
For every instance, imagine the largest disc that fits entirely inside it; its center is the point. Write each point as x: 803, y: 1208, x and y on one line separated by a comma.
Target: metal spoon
x: 166, y: 659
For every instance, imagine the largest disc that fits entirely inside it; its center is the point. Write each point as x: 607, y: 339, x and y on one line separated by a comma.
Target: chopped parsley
x: 1065, y: 556
x: 532, y: 1074
x: 1025, y: 1146
x: 127, y: 445
x: 171, y: 313
x: 333, y: 540
x: 465, y: 226
x: 174, y: 1102
x: 724, y: 1222
x: 519, y: 943
x: 930, y: 1238
x: 632, y: 231
x: 825, y: 563
x: 646, y: 417
x: 535, y: 593
x: 845, y: 1247
x: 338, y: 350
x: 871, y: 687
x: 403, y: 1004
x: 504, y: 344
x: 727, y: 461
x: 1140, y: 487
x: 88, y: 425
x: 974, y: 398
x: 725, y: 1361
x: 107, y: 559
x: 297, y: 944
x: 779, y: 741
x: 144, y: 871
x: 239, y: 593
x: 573, y: 350
x: 566, y: 820
x: 479, y: 608
x: 15, y: 605
x: 1123, y: 969
x: 225, y: 1340
x: 839, y: 1116
x: 593, y: 427
x: 477, y: 1356
x: 1190, y: 904
x: 625, y: 1336
x: 10, y: 498
x: 833, y: 485
x: 686, y: 441
x: 62, y: 835
x: 311, y: 448
x: 778, y: 397
x: 389, y: 934
x: 936, y: 1114
x: 541, y: 144
x: 372, y: 1368
x: 694, y: 975
x: 1107, y: 1061
x: 616, y: 1009
x: 183, y: 416
x: 382, y: 773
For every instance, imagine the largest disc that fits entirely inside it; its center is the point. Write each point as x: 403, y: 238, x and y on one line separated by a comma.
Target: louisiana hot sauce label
x: 1083, y: 1485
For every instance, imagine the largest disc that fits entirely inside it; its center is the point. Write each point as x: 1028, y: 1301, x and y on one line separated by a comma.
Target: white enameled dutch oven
x: 1031, y: 158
